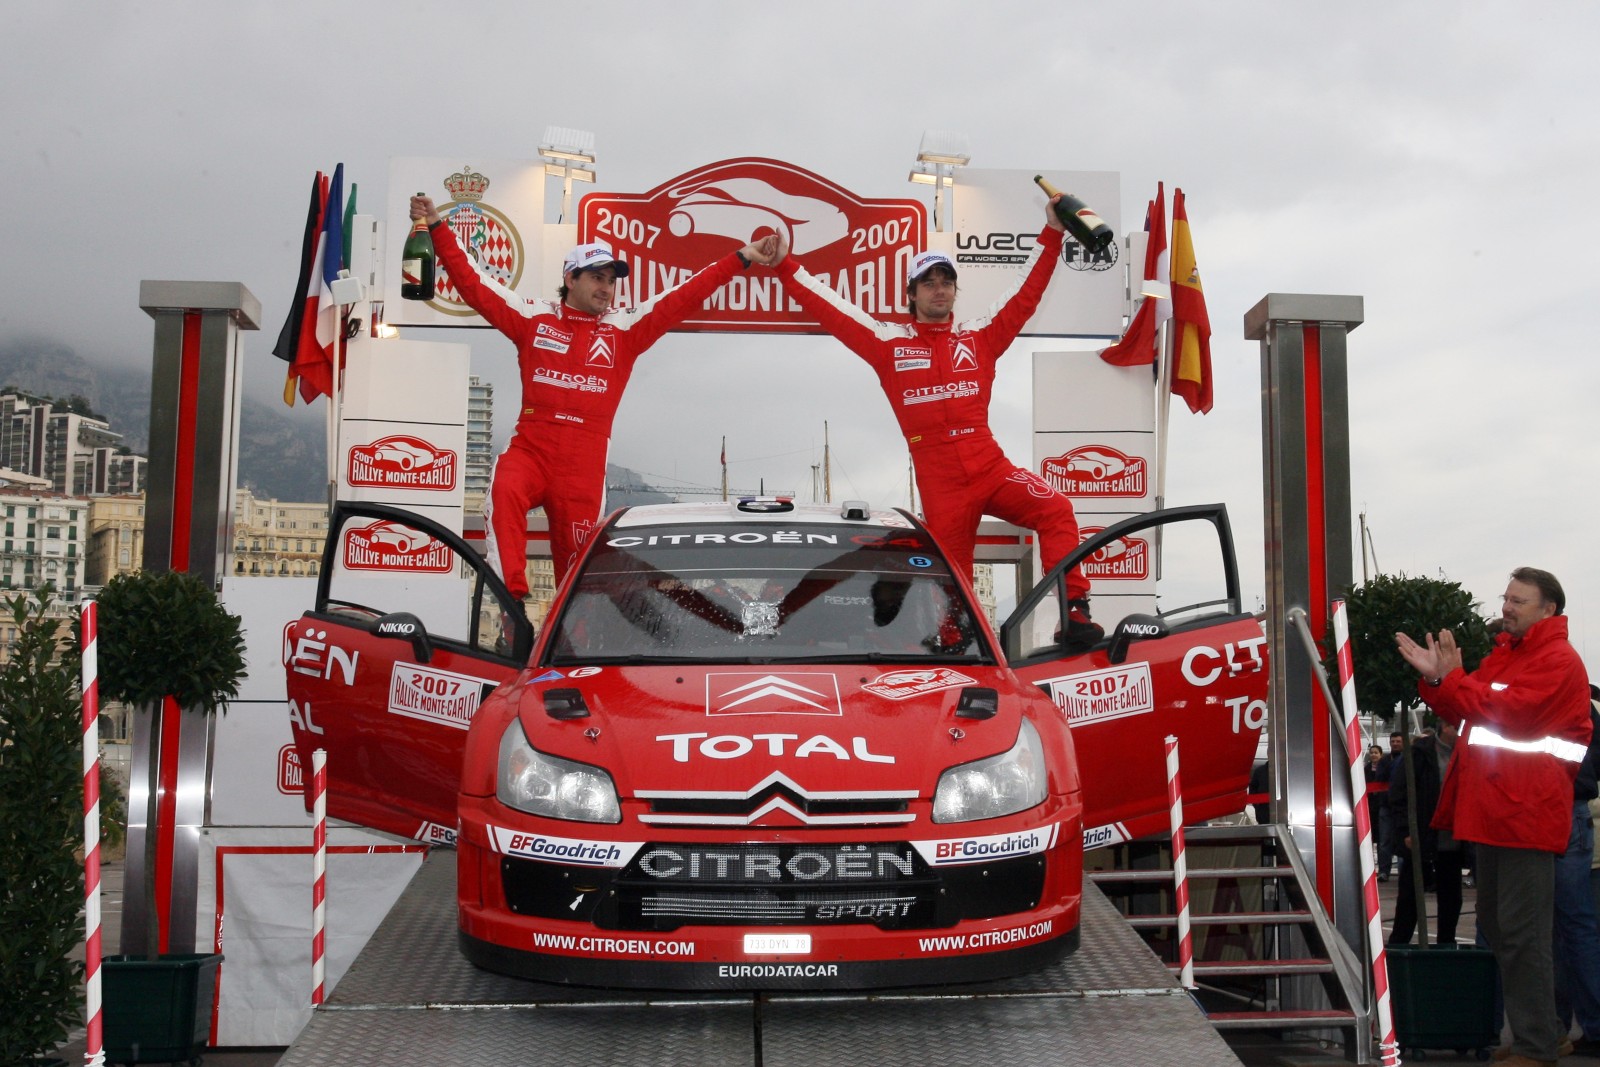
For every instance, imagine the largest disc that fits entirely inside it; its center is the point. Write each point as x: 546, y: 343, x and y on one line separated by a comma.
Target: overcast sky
x: 1437, y: 159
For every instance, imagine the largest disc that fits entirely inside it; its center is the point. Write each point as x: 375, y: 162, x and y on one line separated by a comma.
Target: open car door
x: 409, y: 632
x: 1194, y: 668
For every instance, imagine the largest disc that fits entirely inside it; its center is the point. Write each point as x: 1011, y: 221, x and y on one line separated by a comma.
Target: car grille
x: 742, y: 806
x: 887, y: 885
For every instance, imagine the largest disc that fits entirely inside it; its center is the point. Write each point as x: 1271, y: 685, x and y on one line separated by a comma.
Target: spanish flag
x: 1191, y: 345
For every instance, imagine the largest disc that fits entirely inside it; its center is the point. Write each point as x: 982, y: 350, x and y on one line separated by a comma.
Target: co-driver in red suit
x: 575, y: 358
x: 938, y: 374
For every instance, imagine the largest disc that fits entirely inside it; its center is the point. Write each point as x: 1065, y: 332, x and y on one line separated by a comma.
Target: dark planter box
x: 157, y: 1011
x: 1443, y: 996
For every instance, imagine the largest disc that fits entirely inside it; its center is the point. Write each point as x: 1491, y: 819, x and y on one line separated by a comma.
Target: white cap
x: 927, y: 260
x: 594, y: 254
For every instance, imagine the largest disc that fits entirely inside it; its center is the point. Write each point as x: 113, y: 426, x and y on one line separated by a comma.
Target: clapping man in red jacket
x: 1525, y: 729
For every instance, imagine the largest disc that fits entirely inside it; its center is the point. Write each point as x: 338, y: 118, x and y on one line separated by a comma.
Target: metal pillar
x: 1306, y: 467
x: 195, y: 387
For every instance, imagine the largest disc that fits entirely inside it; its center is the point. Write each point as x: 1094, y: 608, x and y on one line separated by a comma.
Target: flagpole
x: 1164, y: 406
x: 827, y: 467
x: 333, y: 408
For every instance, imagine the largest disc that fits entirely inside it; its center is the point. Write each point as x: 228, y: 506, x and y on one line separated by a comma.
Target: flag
x: 289, y: 337
x: 314, y: 359
x: 1191, y: 346
x: 349, y: 223
x: 1138, y: 345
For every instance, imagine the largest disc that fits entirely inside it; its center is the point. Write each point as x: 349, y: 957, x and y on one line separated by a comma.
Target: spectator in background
x: 1577, y: 936
x: 1377, y: 785
x: 1594, y: 865
x: 1438, y: 853
x: 1526, y: 717
x: 1388, y: 839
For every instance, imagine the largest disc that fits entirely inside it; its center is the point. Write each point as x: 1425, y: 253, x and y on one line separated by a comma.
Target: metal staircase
x: 1266, y: 955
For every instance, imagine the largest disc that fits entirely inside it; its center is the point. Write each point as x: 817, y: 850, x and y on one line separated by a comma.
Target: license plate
x: 777, y: 944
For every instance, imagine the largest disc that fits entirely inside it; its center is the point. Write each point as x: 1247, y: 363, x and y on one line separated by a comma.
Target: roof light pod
x: 765, y: 504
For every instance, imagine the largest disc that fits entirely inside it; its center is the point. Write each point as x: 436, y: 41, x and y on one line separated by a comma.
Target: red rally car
x: 761, y: 745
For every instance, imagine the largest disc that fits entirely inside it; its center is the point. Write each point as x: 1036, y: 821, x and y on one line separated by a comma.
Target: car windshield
x: 765, y: 594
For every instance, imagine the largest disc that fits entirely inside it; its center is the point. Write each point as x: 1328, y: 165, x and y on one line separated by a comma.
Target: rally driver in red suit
x: 575, y: 358
x: 938, y: 374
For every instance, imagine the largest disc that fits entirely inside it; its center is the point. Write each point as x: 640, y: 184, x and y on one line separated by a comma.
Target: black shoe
x: 1082, y: 631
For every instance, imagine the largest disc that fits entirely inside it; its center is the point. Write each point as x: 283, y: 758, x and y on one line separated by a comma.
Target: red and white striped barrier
x: 319, y: 871
x: 1355, y: 748
x: 1180, y: 866
x: 94, y: 1043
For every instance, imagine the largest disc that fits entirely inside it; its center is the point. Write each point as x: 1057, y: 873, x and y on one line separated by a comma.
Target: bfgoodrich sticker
x: 958, y: 850
x: 562, y: 849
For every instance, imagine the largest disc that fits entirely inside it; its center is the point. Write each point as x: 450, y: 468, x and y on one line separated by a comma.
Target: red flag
x: 314, y: 360
x: 289, y: 337
x: 1191, y: 347
x: 307, y: 352
x: 1138, y: 345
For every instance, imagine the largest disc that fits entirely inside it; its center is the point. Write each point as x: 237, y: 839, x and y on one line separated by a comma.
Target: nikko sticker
x: 562, y: 849
x: 1098, y: 696
x: 900, y: 685
x: 1102, y: 836
x: 955, y: 851
x: 434, y: 695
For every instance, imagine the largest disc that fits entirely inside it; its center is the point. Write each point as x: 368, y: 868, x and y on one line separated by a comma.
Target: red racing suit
x: 1526, y: 715
x: 938, y: 378
x: 574, y: 367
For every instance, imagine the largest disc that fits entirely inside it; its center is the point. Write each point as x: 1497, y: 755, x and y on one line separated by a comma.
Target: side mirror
x: 406, y: 627
x: 1134, y: 628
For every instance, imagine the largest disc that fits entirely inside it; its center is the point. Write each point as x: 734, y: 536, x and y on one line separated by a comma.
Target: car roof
x: 727, y: 512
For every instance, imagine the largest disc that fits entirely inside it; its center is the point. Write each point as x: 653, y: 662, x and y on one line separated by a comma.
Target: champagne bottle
x: 416, y: 263
x: 1089, y: 229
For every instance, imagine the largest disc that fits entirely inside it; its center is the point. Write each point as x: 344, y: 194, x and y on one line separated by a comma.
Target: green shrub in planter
x: 165, y: 634
x: 41, y: 827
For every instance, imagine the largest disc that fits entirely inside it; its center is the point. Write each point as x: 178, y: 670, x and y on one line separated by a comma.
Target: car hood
x: 731, y: 729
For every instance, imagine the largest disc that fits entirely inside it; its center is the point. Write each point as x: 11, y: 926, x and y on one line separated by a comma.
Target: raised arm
x: 1016, y: 305
x: 857, y: 330
x: 501, y: 307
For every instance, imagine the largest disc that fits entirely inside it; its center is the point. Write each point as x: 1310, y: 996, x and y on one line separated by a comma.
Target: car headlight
x: 541, y: 784
x: 997, y: 785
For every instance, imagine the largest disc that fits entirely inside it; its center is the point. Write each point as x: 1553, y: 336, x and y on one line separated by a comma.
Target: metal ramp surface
x: 411, y: 998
